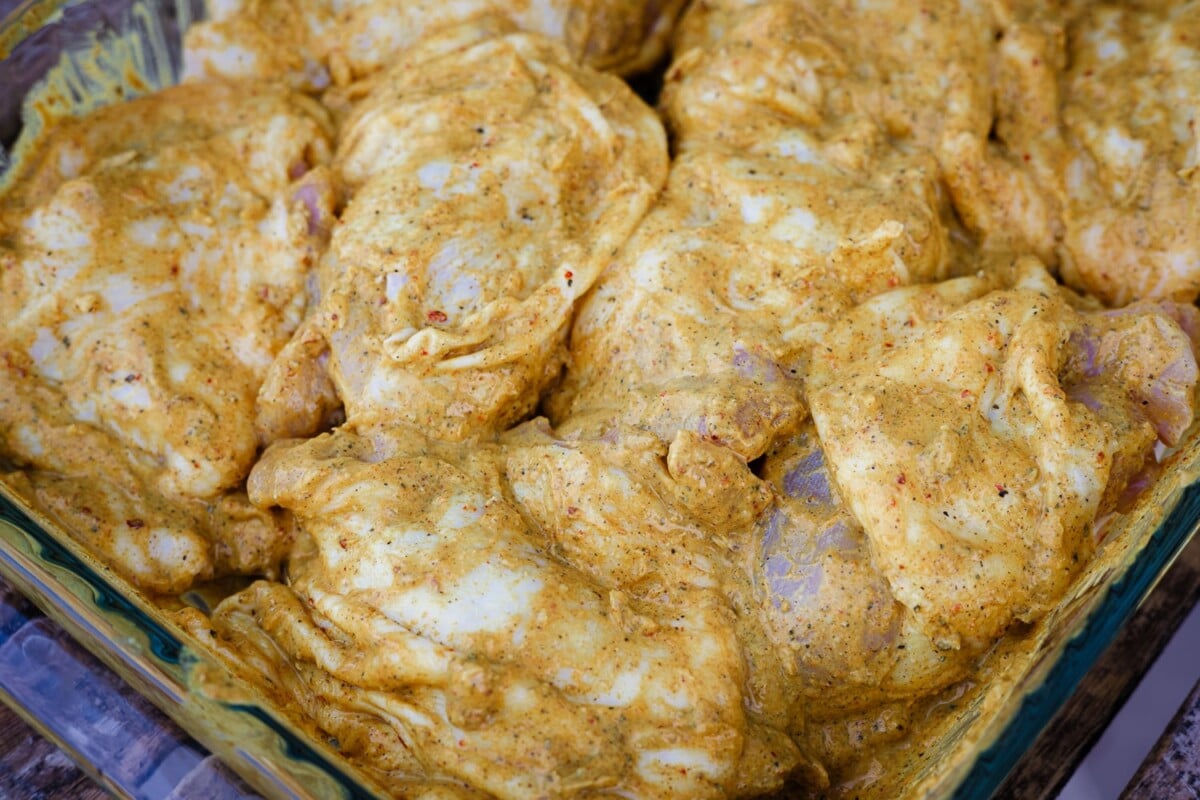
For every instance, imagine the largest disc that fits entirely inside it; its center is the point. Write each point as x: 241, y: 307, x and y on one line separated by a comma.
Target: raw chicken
x: 785, y: 207
x: 153, y: 263
x: 1129, y: 187
x: 1065, y: 130
x: 1094, y: 147
x: 977, y: 434
x: 944, y: 78
x: 680, y: 585
x: 502, y: 658
x: 490, y: 186
x: 311, y: 42
x: 827, y: 606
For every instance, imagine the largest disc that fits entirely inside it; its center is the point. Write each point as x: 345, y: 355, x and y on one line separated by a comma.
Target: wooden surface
x: 125, y: 743
x: 32, y: 768
x: 1048, y: 765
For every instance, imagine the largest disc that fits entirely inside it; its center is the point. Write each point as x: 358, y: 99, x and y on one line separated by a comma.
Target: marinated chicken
x: 882, y: 509
x: 977, y: 437
x: 1065, y: 130
x: 1128, y: 182
x: 489, y: 187
x: 829, y: 608
x: 784, y: 208
x: 933, y: 77
x: 426, y: 592
x: 571, y: 467
x: 313, y: 43
x: 154, y: 262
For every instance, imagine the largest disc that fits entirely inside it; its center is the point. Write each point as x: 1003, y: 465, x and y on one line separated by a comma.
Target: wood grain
x: 33, y: 769
x: 121, y: 740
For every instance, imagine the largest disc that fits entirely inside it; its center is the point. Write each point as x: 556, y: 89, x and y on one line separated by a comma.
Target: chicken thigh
x: 310, y: 43
x: 977, y: 433
x: 785, y: 206
x: 153, y: 263
x: 1130, y: 188
x: 504, y: 659
x: 827, y: 606
x: 490, y: 185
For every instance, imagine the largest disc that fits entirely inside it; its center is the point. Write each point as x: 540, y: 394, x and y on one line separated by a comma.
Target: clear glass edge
x: 112, y: 620
x: 1091, y: 635
x: 48, y: 733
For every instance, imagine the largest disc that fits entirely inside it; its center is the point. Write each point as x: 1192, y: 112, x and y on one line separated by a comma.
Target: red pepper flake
x: 1000, y: 490
x: 132, y: 377
x: 135, y: 523
x: 893, y: 282
x: 965, y: 393
x: 436, y: 316
x: 888, y: 344
x: 569, y: 275
x: 1025, y: 158
x: 13, y: 365
x: 572, y: 511
x: 343, y: 543
x: 1100, y: 457
x: 990, y: 368
x: 1037, y: 62
x: 902, y: 480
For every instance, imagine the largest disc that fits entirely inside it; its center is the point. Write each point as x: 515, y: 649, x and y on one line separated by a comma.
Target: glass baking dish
x: 89, y: 46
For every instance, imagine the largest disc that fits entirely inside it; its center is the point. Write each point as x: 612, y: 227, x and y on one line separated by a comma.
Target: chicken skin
x: 976, y: 436
x: 490, y: 185
x: 784, y: 208
x: 1094, y: 152
x: 311, y: 43
x: 1064, y: 130
x: 505, y: 660
x: 1130, y: 187
x: 154, y: 262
